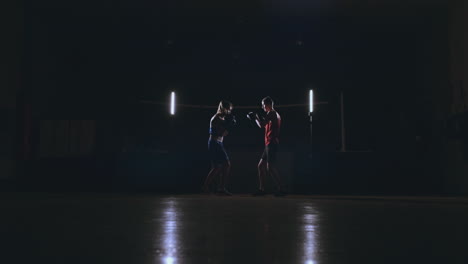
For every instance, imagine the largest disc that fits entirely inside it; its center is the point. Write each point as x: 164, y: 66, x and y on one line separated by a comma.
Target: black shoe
x: 224, y: 192
x: 259, y: 193
x: 280, y: 193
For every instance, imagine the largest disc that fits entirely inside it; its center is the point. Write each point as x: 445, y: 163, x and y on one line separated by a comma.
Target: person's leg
x: 261, y: 178
x: 216, y: 164
x: 215, y: 170
x: 273, y: 171
x: 223, y: 179
x: 226, y: 167
x: 262, y: 171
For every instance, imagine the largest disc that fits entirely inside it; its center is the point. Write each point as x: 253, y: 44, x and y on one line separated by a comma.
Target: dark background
x: 95, y: 77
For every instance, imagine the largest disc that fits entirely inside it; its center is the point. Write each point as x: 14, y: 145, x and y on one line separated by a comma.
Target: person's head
x: 267, y: 104
x: 224, y: 108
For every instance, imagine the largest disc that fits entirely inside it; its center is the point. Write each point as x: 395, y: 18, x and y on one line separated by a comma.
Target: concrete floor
x: 110, y: 228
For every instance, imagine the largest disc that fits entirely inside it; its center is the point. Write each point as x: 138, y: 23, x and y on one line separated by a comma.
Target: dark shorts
x: 218, y: 154
x: 269, y: 154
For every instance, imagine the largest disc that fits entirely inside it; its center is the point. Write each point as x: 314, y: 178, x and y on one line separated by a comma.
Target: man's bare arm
x: 261, y: 123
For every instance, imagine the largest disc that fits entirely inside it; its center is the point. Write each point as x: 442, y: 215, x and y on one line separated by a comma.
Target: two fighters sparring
x: 220, y: 125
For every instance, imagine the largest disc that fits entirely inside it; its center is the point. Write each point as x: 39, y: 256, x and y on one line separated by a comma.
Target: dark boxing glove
x: 252, y: 116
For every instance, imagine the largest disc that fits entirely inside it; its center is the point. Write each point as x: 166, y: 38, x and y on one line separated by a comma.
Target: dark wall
x: 453, y: 105
x: 11, y: 28
x: 302, y: 172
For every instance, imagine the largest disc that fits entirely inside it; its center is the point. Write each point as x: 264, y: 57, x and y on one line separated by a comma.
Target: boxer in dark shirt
x: 220, y: 164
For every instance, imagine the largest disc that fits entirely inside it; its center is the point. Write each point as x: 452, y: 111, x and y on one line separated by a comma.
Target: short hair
x: 267, y: 100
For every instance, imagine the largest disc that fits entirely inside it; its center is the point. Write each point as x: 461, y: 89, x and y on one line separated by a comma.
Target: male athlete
x: 267, y: 164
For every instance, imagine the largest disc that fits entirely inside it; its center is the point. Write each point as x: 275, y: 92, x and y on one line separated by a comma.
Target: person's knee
x: 261, y: 165
x: 227, y: 165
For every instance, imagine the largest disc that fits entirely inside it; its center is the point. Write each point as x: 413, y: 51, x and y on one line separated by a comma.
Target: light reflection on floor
x: 309, y: 229
x: 208, y: 229
x: 170, y: 235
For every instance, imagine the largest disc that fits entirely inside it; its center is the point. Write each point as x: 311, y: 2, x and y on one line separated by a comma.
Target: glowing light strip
x: 172, y: 103
x: 311, y: 101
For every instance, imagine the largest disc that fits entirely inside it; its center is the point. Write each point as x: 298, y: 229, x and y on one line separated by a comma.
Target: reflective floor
x: 92, y: 228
